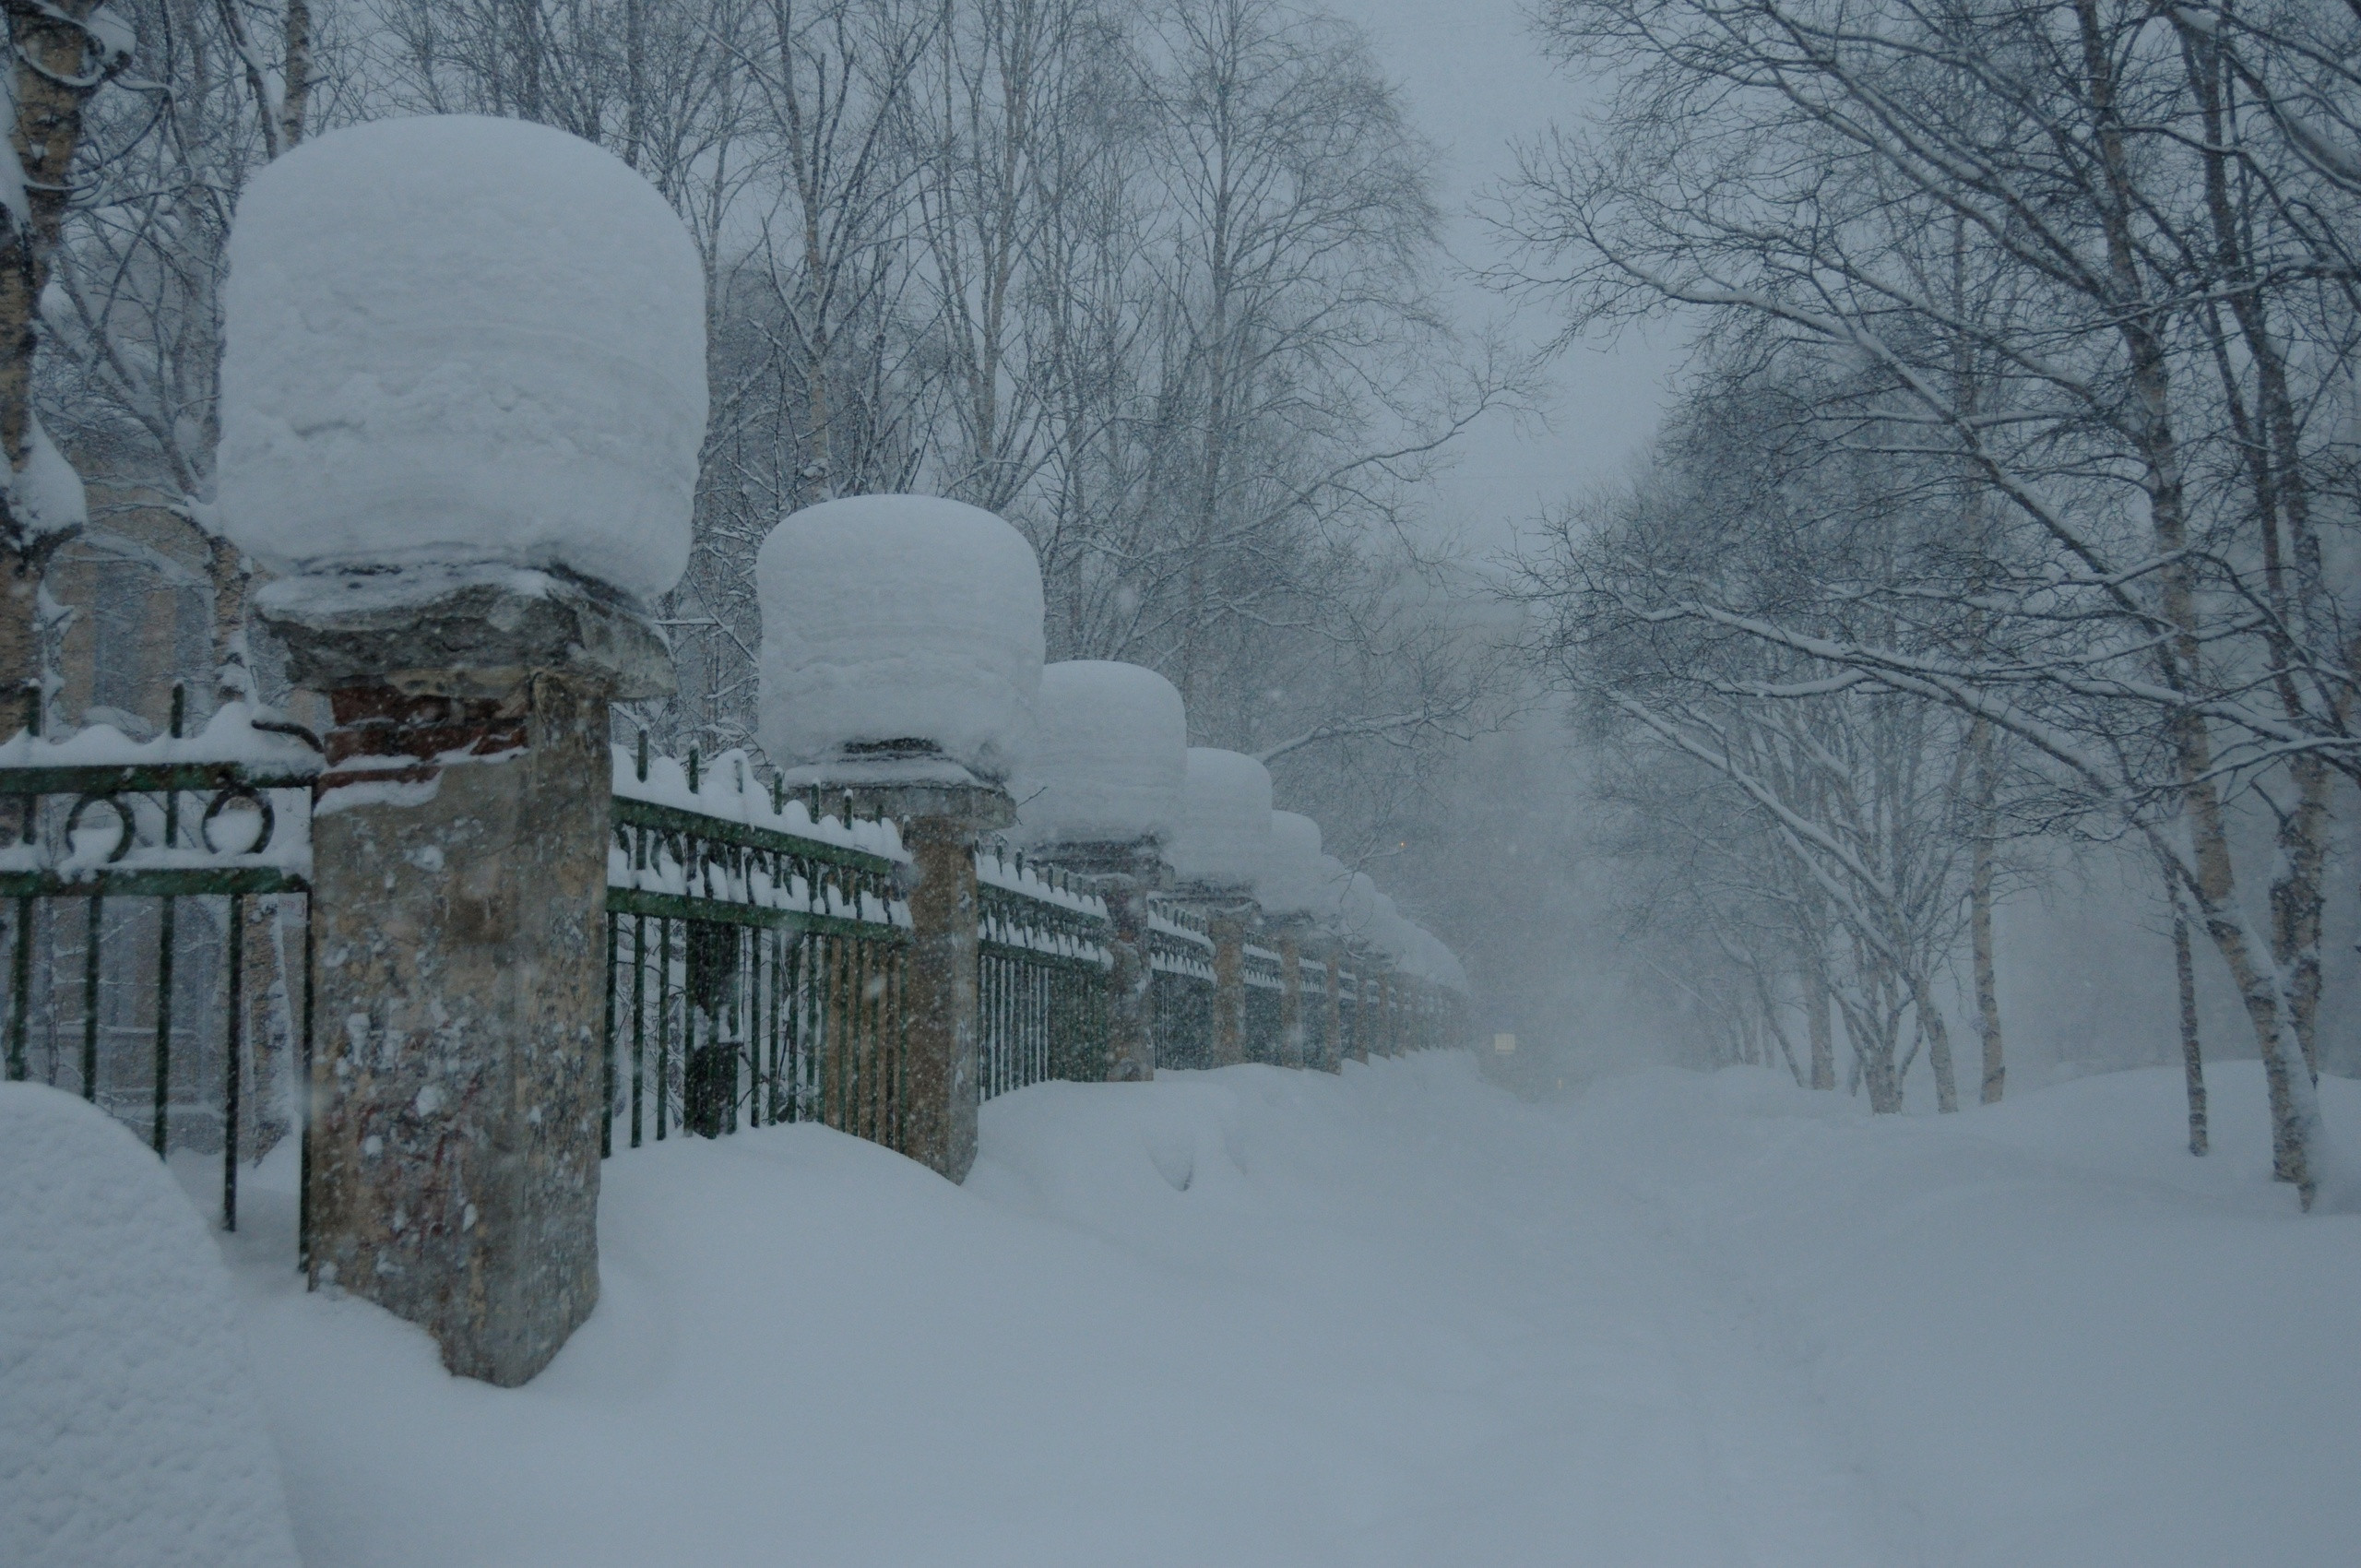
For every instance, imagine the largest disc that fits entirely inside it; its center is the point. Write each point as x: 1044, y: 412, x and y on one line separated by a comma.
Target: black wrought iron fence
x: 1042, y: 977
x: 756, y: 958
x: 1265, y: 979
x: 156, y: 896
x: 1180, y: 958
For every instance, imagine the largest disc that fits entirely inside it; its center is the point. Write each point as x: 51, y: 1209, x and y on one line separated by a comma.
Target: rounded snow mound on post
x: 898, y: 626
x: 1225, y: 837
x: 132, y: 1434
x: 457, y: 339
x: 1292, y: 880
x: 1110, y: 757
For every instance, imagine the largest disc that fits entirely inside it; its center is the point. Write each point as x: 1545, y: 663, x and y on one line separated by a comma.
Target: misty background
x: 1337, y: 467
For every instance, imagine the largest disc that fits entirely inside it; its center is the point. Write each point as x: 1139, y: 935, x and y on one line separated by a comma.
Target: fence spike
x: 693, y: 770
x: 643, y: 756
x: 180, y: 707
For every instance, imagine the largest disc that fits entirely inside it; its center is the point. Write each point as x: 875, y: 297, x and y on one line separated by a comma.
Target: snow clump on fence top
x: 132, y: 1433
x: 1111, y: 754
x: 461, y: 339
x: 897, y: 625
x: 1225, y: 836
x: 1291, y: 880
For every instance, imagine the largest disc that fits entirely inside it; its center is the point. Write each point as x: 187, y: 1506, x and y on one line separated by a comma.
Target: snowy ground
x: 1262, y: 1317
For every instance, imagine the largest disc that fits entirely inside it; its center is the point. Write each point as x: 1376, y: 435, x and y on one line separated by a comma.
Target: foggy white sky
x: 1475, y: 82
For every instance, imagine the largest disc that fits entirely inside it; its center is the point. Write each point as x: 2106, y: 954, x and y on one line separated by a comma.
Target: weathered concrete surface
x: 1226, y: 926
x: 940, y: 823
x: 1331, y: 1054
x: 1291, y: 939
x: 459, y: 851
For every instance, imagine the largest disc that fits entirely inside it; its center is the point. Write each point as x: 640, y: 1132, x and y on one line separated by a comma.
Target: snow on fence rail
x: 757, y: 960
x: 156, y: 901
x: 1041, y: 976
x: 1181, y: 962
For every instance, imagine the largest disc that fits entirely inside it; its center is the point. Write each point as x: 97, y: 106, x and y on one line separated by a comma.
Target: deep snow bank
x: 130, y: 1436
x: 1255, y: 1316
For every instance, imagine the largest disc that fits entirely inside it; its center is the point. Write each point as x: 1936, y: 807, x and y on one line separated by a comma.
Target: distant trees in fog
x: 2017, y: 494
x: 1157, y: 283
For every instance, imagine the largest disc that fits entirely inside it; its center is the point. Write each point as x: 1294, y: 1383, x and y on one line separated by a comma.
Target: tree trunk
x: 1939, y: 1042
x: 1979, y: 914
x: 2295, y: 904
x: 57, y: 64
x: 2192, y: 1056
x: 1823, y: 1055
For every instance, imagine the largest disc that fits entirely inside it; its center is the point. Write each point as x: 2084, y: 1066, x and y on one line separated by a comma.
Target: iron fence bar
x: 21, y: 984
x: 234, y: 1044
x: 95, y: 924
x: 304, y: 1102
x: 164, y: 941
x: 155, y: 883
x: 722, y: 830
x: 607, y: 1054
x: 638, y: 1019
x: 663, y: 1026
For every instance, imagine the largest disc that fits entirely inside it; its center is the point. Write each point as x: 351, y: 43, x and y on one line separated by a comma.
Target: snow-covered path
x: 1262, y: 1317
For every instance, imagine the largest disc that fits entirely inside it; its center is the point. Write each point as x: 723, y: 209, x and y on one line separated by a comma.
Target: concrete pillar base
x: 458, y: 910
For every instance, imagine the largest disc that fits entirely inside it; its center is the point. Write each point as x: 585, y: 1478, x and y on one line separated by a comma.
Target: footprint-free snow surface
x: 1401, y: 1317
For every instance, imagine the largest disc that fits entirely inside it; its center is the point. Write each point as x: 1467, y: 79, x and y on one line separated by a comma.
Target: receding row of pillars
x: 459, y: 849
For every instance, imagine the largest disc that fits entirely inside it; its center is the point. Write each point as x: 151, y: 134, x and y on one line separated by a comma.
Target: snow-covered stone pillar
x: 470, y: 496
x: 1100, y: 797
x: 1226, y: 924
x: 1290, y: 938
x: 1331, y: 1055
x: 901, y: 660
x: 458, y: 893
x: 1220, y: 851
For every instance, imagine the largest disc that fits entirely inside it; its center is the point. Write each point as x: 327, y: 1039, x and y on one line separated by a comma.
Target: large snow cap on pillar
x: 896, y: 618
x: 461, y: 339
x: 1225, y: 833
x: 1292, y: 880
x: 1110, y: 752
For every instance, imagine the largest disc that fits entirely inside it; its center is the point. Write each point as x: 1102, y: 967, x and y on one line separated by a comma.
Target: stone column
x: 1290, y: 937
x: 1123, y: 875
x: 1226, y: 926
x: 1331, y: 1055
x: 940, y: 823
x: 459, y: 916
x: 1364, y: 1012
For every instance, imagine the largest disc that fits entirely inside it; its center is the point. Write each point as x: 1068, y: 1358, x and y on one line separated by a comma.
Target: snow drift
x: 130, y: 1436
x: 1395, y: 1319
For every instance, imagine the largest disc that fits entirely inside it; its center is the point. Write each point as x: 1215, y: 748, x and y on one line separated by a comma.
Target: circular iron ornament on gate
x: 125, y: 834
x: 221, y: 802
